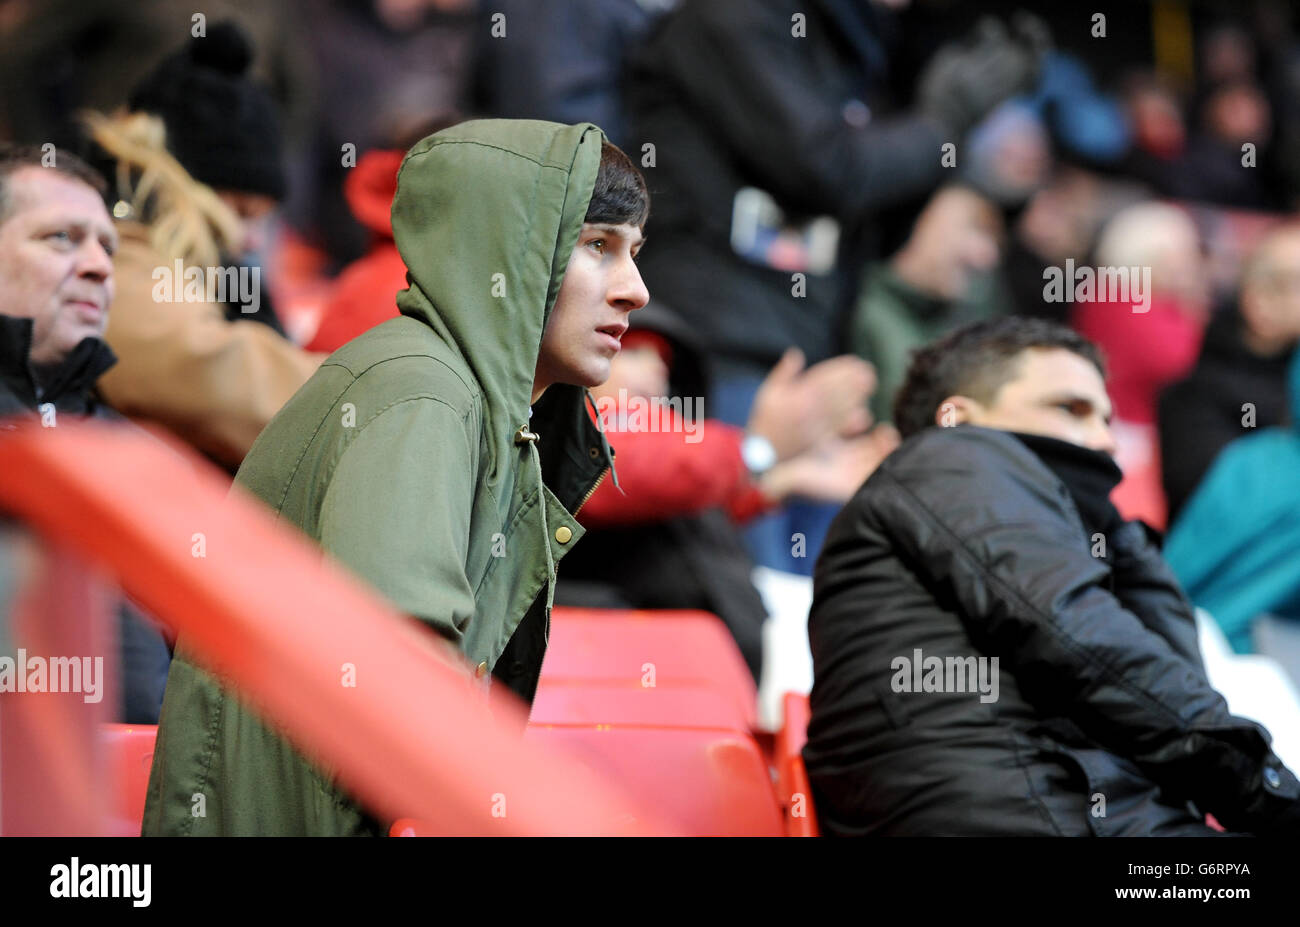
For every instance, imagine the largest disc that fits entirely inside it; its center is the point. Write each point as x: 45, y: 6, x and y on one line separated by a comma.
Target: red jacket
x: 663, y: 475
x: 365, y: 293
x: 1145, y: 351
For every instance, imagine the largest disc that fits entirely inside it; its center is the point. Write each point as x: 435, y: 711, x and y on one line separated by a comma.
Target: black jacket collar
x: 69, y: 386
x: 1089, y: 476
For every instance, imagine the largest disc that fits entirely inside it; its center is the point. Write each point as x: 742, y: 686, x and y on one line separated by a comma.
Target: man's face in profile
x: 1270, y: 291
x: 1056, y: 393
x: 601, y: 286
x: 56, y: 261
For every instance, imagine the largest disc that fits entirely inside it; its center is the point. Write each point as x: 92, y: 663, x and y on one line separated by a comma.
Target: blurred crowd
x: 819, y: 210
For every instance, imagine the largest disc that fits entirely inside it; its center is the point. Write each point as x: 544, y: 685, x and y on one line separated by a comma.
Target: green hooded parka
x: 413, y: 458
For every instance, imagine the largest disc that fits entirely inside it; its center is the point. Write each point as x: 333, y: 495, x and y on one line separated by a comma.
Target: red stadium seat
x: 682, y: 742
x: 793, y: 790
x: 662, y: 705
x: 275, y: 621
x: 710, y: 782
x: 407, y: 827
x: 649, y: 649
x: 707, y: 782
x: 130, y: 755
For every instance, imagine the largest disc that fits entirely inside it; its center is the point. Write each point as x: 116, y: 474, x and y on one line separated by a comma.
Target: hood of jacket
x: 508, y: 197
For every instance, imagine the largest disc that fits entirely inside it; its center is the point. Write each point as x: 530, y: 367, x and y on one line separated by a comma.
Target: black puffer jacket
x: 965, y: 543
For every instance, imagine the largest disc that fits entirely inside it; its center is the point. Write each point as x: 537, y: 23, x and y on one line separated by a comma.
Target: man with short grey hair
x: 56, y: 284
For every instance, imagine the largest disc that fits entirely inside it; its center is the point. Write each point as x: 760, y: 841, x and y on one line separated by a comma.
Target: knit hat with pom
x: 221, y: 126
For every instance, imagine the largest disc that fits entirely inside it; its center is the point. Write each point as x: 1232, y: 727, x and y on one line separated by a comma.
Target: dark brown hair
x: 976, y: 361
x: 619, y: 196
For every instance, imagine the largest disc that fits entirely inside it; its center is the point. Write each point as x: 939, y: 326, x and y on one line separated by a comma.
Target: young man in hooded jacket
x: 443, y: 455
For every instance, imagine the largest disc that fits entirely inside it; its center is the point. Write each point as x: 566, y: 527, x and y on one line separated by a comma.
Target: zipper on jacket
x: 592, y: 491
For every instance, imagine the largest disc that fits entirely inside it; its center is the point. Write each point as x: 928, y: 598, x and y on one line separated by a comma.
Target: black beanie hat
x: 221, y: 126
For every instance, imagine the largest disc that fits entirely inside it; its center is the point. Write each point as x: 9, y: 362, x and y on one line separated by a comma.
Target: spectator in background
x: 56, y: 284
x: 666, y: 538
x: 58, y: 57
x: 381, y: 67
x: 563, y: 60
x: 984, y: 664
x: 197, y: 169
x: 1216, y: 167
x: 1152, y: 341
x: 1208, y: 161
x: 1236, y: 545
x: 1150, y: 336
x: 1155, y: 112
x: 1240, y: 378
x: 1060, y: 223
x: 941, y: 279
x: 365, y: 293
x: 774, y: 145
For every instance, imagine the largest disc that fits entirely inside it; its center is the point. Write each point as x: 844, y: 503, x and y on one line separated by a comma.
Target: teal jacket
x: 411, y: 458
x: 1236, y: 545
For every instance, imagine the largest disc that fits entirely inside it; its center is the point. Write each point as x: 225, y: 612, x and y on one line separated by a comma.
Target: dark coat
x: 70, y: 391
x: 1202, y: 414
x: 964, y: 543
x: 731, y: 100
x: 561, y: 60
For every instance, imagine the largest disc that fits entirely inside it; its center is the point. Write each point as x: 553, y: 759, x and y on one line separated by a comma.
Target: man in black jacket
x: 56, y: 283
x: 996, y: 651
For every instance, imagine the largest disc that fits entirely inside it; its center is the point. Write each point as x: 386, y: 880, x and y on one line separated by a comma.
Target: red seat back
x: 793, y: 789
x: 710, y: 782
x: 649, y: 649
x: 260, y: 609
x: 130, y: 755
x: 665, y: 705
